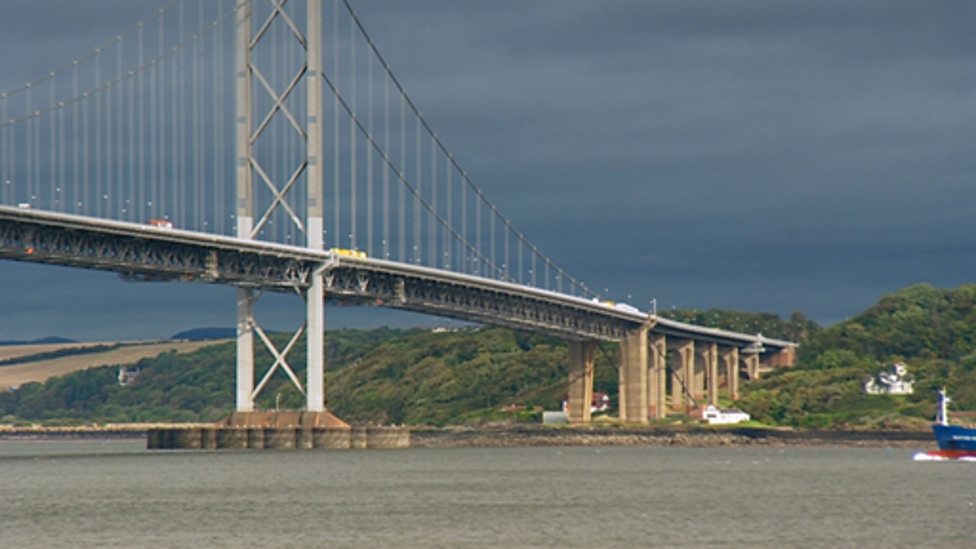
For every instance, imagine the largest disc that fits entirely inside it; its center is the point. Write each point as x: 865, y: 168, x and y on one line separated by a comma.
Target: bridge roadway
x: 144, y: 252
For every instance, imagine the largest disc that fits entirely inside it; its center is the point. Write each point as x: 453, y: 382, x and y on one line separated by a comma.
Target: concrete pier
x: 751, y: 361
x: 633, y: 377
x: 730, y: 361
x: 582, y: 355
x: 681, y: 372
x: 709, y: 355
x: 657, y: 378
x: 278, y: 431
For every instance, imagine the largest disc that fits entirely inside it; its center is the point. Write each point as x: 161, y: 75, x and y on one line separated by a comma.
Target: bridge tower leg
x: 730, y: 361
x: 582, y: 355
x: 657, y: 378
x: 245, y: 208
x: 633, y: 376
x: 315, y: 294
x: 245, y: 349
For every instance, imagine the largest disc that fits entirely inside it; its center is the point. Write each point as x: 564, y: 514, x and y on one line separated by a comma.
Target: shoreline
x: 533, y: 435
x: 449, y: 437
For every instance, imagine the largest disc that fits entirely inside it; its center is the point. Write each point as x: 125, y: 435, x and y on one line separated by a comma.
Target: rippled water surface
x: 115, y: 493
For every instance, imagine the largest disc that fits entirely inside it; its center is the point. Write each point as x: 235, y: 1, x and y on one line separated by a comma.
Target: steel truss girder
x: 145, y: 258
x: 149, y: 259
x: 475, y: 304
x: 160, y: 255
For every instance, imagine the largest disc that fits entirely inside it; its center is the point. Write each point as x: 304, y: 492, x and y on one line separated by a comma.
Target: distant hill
x: 796, y: 328
x: 417, y: 376
x: 202, y: 334
x: 414, y: 376
x: 932, y: 330
x: 41, y: 341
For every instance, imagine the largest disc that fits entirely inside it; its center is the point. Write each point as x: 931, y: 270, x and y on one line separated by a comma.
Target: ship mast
x: 942, y: 418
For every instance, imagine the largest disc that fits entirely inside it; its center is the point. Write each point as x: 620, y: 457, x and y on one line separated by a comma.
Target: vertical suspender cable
x: 108, y: 131
x: 120, y: 105
x: 218, y: 154
x: 155, y: 125
x: 52, y: 148
x: 276, y: 165
x: 369, y: 154
x: 353, y: 204
x: 108, y: 139
x: 432, y: 223
x: 141, y: 182
x: 521, y: 267
x: 179, y: 149
x: 4, y: 158
x: 417, y: 228
x: 76, y: 142
x: 180, y: 205
x: 533, y: 271
x: 386, y: 167
x: 491, y: 242
x: 477, y: 235
x: 337, y: 150
x: 29, y: 136
x: 131, y: 200
x: 61, y: 181
x: 401, y: 204
x: 85, y: 155
x: 4, y: 140
x: 507, y: 257
x: 448, y: 244
x: 96, y: 125
x: 38, y: 155
x: 463, y: 245
x: 174, y: 133
x: 197, y: 179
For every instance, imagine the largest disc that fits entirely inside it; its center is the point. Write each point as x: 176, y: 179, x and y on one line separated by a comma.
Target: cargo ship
x: 955, y: 441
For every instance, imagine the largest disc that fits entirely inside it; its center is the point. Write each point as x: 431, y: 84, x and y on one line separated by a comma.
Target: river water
x: 116, y: 494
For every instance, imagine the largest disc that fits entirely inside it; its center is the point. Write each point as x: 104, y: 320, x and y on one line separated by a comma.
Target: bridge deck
x: 152, y: 253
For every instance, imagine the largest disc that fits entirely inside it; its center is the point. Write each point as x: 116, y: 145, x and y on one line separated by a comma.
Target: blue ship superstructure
x: 954, y: 440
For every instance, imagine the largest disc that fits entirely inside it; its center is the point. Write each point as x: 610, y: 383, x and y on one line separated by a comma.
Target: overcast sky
x: 753, y: 155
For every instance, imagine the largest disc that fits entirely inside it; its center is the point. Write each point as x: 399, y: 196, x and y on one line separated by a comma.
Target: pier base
x: 278, y: 431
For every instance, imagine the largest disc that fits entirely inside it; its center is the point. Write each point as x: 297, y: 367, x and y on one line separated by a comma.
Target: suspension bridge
x: 269, y: 145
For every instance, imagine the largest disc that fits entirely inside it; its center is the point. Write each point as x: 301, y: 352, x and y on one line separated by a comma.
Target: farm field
x: 41, y: 370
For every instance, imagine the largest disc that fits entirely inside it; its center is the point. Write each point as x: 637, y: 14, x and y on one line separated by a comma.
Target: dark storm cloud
x: 762, y: 155
x: 809, y: 155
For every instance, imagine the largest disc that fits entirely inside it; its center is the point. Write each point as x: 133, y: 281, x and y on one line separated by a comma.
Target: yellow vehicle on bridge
x: 348, y: 252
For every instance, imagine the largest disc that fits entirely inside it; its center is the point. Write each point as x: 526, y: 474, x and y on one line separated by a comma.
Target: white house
x: 895, y: 381
x: 127, y: 376
x: 718, y: 416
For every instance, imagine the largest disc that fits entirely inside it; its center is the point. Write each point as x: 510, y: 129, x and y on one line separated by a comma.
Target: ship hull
x: 939, y: 455
x: 955, y: 439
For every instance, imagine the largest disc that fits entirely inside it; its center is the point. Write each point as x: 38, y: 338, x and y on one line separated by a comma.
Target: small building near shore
x: 718, y: 416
